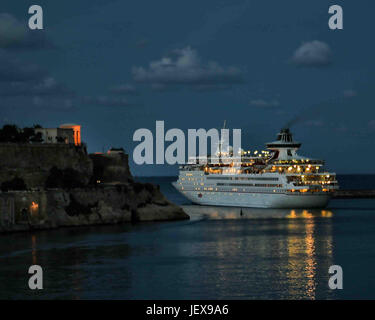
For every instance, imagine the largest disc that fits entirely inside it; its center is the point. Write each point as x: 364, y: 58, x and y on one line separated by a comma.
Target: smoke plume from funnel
x: 296, y: 119
x: 309, y: 113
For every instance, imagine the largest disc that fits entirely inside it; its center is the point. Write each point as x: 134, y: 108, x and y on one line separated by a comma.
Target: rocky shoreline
x: 110, y: 204
x: 52, y: 185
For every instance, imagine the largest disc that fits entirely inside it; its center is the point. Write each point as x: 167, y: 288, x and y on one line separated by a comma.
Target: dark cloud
x: 142, y: 43
x: 264, y: 103
x: 34, y: 103
x: 349, y: 93
x: 159, y: 87
x: 15, y: 34
x: 55, y: 103
x: 18, y: 78
x: 47, y: 86
x: 25, y: 85
x: 107, y: 101
x: 186, y: 68
x: 12, y: 69
x: 211, y: 87
x: 313, y: 54
x: 341, y: 128
x: 127, y: 89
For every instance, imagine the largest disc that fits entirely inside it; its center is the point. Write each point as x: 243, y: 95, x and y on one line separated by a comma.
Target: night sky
x: 116, y: 66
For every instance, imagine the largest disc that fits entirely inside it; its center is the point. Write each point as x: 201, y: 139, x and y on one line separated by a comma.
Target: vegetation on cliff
x: 11, y: 133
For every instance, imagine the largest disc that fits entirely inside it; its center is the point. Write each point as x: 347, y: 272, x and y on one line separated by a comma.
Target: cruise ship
x: 274, y: 178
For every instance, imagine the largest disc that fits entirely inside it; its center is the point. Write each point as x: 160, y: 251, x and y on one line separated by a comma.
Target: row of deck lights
x: 299, y: 169
x: 293, y: 160
x: 256, y: 153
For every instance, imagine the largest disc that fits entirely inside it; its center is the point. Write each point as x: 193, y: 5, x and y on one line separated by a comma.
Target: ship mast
x: 221, y: 141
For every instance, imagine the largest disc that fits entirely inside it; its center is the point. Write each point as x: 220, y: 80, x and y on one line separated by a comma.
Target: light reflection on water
x: 212, y: 212
x: 301, y: 251
x: 221, y: 253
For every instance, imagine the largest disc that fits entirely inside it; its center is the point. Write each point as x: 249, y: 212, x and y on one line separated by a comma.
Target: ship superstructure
x: 275, y: 178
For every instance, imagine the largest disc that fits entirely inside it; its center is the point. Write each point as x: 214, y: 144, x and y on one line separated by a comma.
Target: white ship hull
x: 282, y: 179
x: 257, y: 200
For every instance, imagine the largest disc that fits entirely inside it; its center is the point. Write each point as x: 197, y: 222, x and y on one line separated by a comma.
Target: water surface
x: 218, y: 254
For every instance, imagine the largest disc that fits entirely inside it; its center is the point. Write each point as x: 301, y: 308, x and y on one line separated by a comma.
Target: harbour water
x: 221, y: 253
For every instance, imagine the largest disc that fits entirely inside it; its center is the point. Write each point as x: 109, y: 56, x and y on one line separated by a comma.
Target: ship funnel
x: 285, y: 135
x: 284, y: 140
x: 284, y: 147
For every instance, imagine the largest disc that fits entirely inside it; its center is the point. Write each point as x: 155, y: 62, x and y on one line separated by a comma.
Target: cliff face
x: 32, y: 162
x: 108, y: 195
x: 111, y: 168
x: 49, y: 209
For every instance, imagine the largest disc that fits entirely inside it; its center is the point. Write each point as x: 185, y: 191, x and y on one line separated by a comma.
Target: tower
x: 76, y: 132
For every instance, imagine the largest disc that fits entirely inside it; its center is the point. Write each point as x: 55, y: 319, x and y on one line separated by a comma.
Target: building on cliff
x: 111, y: 167
x: 114, y: 151
x: 56, y: 135
x: 66, y: 133
x: 76, y: 131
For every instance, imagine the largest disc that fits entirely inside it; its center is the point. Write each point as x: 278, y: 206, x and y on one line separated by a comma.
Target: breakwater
x: 355, y: 193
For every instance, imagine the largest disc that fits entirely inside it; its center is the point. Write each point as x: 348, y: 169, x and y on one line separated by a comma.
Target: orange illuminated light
x: 34, y: 208
x: 76, y: 132
x: 34, y: 205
